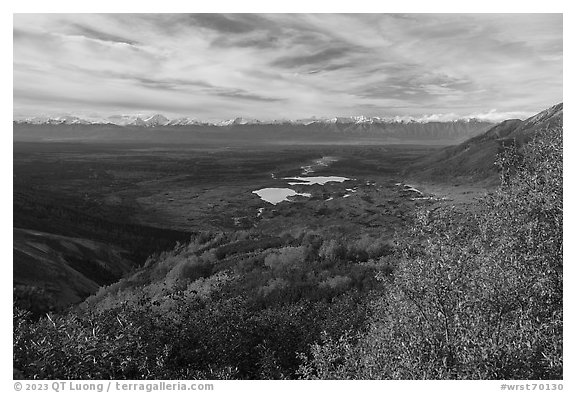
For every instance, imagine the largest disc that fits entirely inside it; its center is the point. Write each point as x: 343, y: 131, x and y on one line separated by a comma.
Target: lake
x: 310, y: 180
x: 277, y: 195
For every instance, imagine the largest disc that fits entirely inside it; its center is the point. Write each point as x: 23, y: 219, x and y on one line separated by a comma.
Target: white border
x: 421, y: 6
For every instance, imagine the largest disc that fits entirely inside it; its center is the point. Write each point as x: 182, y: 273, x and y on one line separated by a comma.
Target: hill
x: 64, y: 249
x: 474, y: 159
x: 67, y: 269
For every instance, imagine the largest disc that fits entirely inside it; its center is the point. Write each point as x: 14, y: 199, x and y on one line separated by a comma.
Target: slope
x: 67, y: 269
x: 474, y: 159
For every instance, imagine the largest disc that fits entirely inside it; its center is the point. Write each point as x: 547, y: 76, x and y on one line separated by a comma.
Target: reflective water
x: 277, y: 195
x: 310, y: 180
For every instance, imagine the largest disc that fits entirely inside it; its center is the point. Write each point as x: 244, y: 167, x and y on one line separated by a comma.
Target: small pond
x: 277, y: 195
x: 310, y: 180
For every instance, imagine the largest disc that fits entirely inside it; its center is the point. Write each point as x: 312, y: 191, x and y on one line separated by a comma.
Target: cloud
x: 228, y: 24
x: 491, y: 116
x: 150, y: 82
x: 217, y: 66
x: 100, y: 35
x: 178, y: 84
x: 322, y: 57
x: 254, y: 41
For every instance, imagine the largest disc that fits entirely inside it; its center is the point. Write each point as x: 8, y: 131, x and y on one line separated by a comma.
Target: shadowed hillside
x: 474, y: 159
x: 64, y: 249
x: 68, y: 269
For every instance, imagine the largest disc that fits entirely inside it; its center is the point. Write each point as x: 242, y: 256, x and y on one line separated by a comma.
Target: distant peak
x: 238, y: 121
x: 159, y: 120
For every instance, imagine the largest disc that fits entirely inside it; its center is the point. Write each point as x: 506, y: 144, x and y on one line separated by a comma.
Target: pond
x: 277, y: 195
x: 310, y: 180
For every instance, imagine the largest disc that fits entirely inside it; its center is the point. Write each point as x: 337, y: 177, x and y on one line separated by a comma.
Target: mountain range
x: 470, y: 132
x: 185, y: 130
x: 159, y: 120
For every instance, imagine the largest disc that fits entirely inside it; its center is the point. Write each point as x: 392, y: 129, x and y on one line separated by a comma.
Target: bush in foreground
x: 475, y: 295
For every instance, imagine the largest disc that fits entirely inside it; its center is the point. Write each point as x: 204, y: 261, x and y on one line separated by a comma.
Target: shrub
x: 473, y: 296
x: 332, y: 251
x: 285, y: 259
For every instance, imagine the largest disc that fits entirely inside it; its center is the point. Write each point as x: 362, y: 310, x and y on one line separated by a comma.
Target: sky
x: 215, y: 67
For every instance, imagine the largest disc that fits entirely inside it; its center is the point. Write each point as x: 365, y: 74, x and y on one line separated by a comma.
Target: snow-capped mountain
x: 159, y: 120
x: 120, y: 120
x: 69, y: 120
x: 138, y: 123
x: 182, y: 129
x: 445, y: 129
x: 403, y: 128
x: 152, y: 121
x: 239, y: 121
x: 185, y: 121
x: 156, y: 121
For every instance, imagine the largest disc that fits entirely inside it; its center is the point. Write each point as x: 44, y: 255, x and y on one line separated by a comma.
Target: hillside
x: 65, y: 248
x: 67, y: 269
x: 474, y: 159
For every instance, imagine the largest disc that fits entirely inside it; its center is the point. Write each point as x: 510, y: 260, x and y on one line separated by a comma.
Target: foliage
x: 188, y: 314
x: 217, y: 339
x: 474, y: 296
x: 33, y: 299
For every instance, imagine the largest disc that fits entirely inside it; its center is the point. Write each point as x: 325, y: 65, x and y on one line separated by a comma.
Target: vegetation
x: 464, y: 294
x: 473, y: 296
x: 197, y: 312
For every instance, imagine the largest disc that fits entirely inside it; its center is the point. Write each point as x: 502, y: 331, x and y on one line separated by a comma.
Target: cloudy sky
x: 287, y: 66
